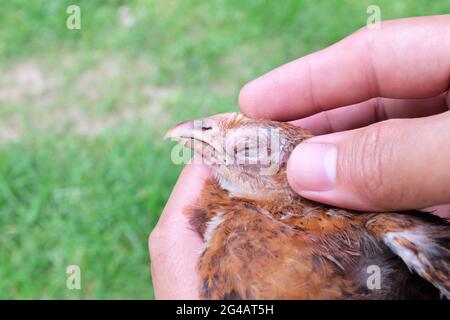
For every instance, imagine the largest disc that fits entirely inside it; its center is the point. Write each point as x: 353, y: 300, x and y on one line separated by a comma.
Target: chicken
x: 264, y: 241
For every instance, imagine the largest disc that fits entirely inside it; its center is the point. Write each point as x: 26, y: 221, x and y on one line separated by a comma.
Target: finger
x: 174, y: 247
x: 371, y: 111
x: 405, y: 58
x: 442, y: 210
x: 391, y: 165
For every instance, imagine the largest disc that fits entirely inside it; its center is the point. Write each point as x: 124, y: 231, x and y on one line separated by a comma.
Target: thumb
x: 391, y: 165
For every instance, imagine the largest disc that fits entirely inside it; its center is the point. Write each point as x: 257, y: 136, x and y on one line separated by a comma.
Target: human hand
x: 389, y: 165
x: 401, y: 70
x: 174, y: 247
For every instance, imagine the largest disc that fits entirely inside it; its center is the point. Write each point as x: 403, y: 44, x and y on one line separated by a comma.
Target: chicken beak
x: 182, y: 129
x: 202, y: 136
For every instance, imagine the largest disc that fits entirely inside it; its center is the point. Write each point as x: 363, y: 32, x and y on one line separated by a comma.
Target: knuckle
x: 365, y: 164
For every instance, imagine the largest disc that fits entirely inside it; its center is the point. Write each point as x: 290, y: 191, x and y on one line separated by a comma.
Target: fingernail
x: 312, y: 167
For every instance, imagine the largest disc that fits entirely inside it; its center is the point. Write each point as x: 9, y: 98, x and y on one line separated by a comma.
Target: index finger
x: 406, y: 58
x: 175, y: 247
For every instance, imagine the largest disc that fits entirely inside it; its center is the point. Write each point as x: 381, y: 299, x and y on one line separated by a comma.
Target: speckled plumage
x: 263, y: 241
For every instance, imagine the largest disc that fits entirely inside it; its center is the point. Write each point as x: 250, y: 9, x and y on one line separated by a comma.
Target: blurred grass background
x: 84, y: 173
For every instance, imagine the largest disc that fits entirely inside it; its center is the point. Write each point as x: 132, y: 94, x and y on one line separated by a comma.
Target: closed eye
x: 206, y: 128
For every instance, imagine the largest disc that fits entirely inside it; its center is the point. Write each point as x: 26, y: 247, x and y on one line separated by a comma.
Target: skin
x: 352, y: 94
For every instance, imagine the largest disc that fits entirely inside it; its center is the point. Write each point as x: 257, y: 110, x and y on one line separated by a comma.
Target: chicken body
x: 263, y: 241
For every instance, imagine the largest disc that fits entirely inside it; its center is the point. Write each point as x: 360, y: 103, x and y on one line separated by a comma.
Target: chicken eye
x: 206, y: 128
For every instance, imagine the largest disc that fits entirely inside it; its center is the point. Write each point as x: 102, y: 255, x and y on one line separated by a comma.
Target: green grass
x: 85, y: 202
x: 84, y: 173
